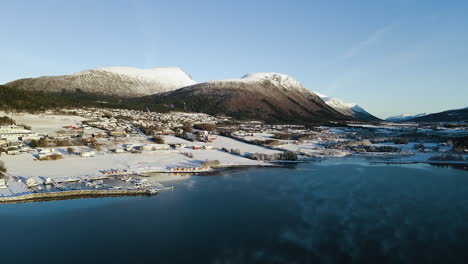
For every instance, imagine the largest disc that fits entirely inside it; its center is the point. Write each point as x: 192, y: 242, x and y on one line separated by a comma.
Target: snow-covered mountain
x: 404, y: 117
x: 267, y: 96
x: 278, y: 79
x: 349, y: 109
x: 114, y: 81
x: 454, y: 115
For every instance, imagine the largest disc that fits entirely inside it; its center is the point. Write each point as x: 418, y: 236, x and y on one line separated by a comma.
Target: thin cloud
x: 370, y: 40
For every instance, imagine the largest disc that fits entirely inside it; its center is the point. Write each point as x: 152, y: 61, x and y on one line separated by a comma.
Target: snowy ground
x: 26, y: 166
x: 47, y: 124
x: 245, y: 148
x: 224, y: 142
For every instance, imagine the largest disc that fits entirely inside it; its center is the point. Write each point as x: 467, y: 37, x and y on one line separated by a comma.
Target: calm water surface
x: 341, y: 211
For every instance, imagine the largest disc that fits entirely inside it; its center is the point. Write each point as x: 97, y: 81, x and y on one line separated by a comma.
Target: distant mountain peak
x: 404, y: 117
x: 349, y: 109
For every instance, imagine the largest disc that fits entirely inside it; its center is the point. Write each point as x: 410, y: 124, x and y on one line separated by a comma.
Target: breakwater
x: 76, y: 194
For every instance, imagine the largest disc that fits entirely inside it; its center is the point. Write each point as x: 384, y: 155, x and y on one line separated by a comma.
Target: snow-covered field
x: 25, y: 165
x: 47, y: 124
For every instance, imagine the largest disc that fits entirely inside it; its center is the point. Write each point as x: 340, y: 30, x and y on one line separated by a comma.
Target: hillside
x: 457, y: 115
x: 271, y: 97
x: 110, y: 81
x: 31, y: 101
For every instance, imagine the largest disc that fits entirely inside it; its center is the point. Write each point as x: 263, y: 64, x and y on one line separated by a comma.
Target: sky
x: 390, y: 57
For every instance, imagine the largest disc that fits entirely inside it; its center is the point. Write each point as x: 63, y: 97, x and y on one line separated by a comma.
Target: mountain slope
x: 111, y: 81
x: 271, y: 97
x: 456, y: 115
x: 348, y: 109
x: 404, y: 117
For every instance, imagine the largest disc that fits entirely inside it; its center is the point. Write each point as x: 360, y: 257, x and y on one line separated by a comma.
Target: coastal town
x: 96, y: 151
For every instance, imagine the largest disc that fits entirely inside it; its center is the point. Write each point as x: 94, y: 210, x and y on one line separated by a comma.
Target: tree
x: 70, y: 150
x: 207, y: 127
x: 211, y: 163
x: 289, y: 155
x: 43, y: 143
x: 33, y: 143
x: 158, y: 140
x: 236, y: 151
x: 2, y: 170
x: 6, y: 121
x: 187, y: 127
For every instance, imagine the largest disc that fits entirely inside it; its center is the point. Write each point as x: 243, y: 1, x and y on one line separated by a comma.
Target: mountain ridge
x: 111, y: 81
x: 272, y: 97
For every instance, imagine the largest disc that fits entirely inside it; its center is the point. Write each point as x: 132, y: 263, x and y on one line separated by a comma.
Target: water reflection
x: 321, y: 212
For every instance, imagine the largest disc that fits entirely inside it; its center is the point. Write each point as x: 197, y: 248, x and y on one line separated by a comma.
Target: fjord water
x: 337, y: 211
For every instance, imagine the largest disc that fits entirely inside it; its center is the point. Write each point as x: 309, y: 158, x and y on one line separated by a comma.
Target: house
x: 179, y: 145
x: 162, y: 147
x: 119, y: 150
x: 14, y: 132
x: 2, y: 184
x: 128, y: 147
x: 211, y: 138
x: 41, y: 156
x: 168, y: 132
x: 89, y: 140
x: 46, y: 150
x: 87, y: 154
x: 118, y: 133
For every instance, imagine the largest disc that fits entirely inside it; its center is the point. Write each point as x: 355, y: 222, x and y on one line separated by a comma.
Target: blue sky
x: 391, y: 57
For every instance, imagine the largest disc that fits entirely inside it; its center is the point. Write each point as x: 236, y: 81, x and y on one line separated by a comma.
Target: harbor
x: 93, y: 186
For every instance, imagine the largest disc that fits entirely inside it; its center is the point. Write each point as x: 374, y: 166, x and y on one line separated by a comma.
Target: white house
x: 2, y: 184
x: 119, y: 150
x: 87, y: 154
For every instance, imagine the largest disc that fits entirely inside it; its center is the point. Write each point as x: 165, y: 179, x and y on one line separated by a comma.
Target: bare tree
x: 2, y: 170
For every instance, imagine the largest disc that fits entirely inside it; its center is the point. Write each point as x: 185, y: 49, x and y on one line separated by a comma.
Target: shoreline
x: 84, y: 194
x: 70, y: 195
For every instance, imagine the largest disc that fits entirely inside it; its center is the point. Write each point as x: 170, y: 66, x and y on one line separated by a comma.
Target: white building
x: 87, y: 154
x: 2, y: 184
x: 14, y: 132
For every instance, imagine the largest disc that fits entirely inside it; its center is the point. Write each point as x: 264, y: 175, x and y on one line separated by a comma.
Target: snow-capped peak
x: 340, y: 105
x: 278, y: 79
x: 170, y: 75
x: 349, y: 109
